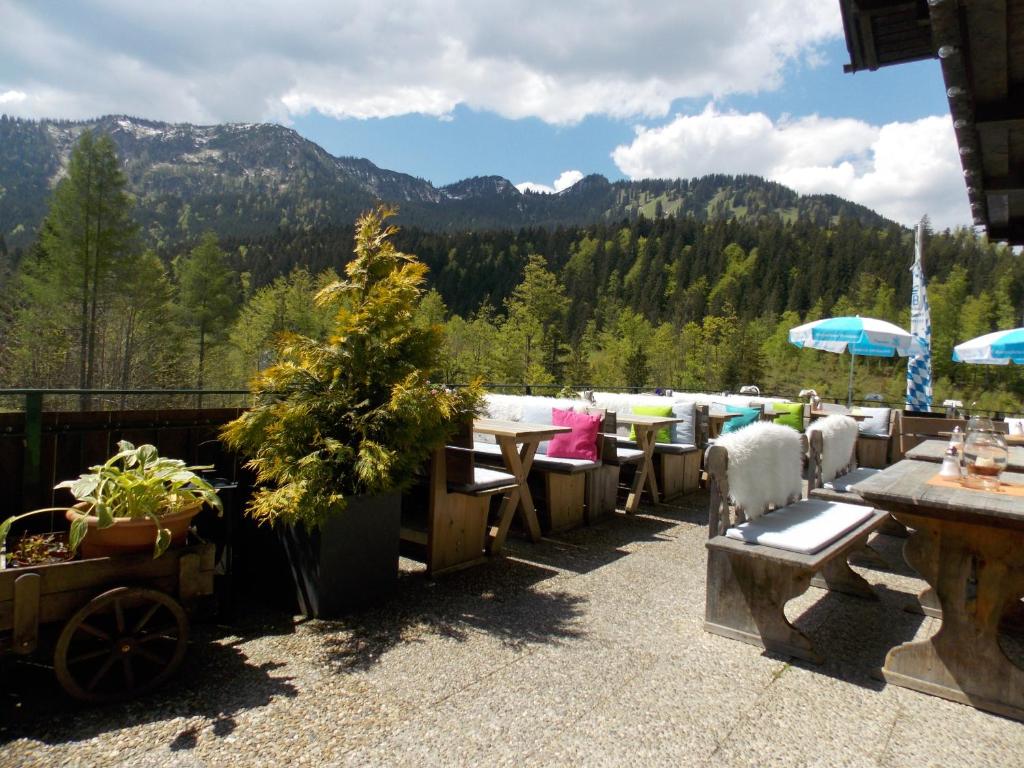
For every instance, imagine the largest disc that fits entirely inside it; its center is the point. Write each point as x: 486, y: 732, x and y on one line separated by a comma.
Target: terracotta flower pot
x: 127, y: 535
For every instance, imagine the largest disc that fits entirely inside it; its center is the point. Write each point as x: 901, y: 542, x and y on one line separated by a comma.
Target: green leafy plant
x: 355, y: 414
x: 138, y: 483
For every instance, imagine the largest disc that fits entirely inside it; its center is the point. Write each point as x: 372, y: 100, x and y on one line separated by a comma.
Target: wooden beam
x: 1005, y: 184
x: 1002, y: 115
x: 998, y: 209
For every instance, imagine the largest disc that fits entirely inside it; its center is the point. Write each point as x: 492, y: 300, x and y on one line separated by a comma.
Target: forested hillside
x: 249, y: 180
x: 667, y: 300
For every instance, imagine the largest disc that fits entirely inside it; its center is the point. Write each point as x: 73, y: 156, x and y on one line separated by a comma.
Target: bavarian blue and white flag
x: 919, y: 367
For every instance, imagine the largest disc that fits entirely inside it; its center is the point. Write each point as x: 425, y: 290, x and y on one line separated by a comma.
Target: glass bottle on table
x: 985, y: 454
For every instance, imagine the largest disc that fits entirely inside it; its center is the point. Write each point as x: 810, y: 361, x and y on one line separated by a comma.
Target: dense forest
x: 661, y: 300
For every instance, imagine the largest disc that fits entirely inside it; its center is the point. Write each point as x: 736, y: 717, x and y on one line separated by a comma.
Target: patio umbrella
x: 999, y: 348
x: 859, y: 336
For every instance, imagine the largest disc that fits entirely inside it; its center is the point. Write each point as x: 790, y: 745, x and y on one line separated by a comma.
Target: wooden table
x: 716, y: 420
x: 518, y: 443
x: 646, y: 429
x: 935, y: 450
x: 969, y: 546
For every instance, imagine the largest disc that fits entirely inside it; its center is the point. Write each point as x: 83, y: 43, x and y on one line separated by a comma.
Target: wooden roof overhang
x: 980, y: 44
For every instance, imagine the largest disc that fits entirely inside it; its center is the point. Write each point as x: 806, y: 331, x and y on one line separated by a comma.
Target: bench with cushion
x: 879, y: 434
x: 677, y: 459
x: 560, y: 481
x: 766, y: 543
x: 832, y: 465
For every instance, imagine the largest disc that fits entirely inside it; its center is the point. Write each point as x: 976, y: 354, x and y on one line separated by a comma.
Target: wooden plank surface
x: 934, y: 450
x: 517, y: 430
x: 639, y: 420
x: 904, y: 485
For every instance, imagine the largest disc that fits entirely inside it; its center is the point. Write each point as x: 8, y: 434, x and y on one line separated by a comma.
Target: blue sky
x: 541, y: 93
x: 477, y: 143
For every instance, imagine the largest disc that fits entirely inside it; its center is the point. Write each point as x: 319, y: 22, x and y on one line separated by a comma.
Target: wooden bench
x: 451, y: 533
x: 749, y: 584
x: 562, y: 483
x: 677, y: 465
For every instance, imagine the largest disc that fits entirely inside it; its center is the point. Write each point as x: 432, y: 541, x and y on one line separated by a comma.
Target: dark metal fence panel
x: 38, y: 451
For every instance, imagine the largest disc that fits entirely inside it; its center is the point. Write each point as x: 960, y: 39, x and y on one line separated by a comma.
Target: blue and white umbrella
x: 858, y: 336
x: 999, y: 348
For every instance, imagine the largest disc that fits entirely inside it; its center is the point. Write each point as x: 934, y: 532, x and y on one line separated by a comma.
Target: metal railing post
x: 31, y: 482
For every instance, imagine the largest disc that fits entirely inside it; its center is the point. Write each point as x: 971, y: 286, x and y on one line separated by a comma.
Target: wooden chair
x: 748, y: 583
x: 878, y: 451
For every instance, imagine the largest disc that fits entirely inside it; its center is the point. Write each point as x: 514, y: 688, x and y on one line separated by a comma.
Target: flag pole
x: 849, y: 388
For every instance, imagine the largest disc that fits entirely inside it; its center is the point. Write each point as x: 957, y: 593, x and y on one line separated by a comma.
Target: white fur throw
x: 765, y: 465
x: 838, y: 441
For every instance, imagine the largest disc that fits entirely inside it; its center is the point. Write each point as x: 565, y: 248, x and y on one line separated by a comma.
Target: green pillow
x: 746, y: 416
x: 790, y: 415
x: 662, y: 435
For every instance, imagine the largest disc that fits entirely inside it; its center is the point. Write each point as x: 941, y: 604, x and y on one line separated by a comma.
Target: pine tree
x: 87, y: 236
x: 208, y: 294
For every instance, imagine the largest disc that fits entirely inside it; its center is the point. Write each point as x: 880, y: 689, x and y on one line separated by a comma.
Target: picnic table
x: 518, y: 442
x: 935, y: 450
x: 969, y: 546
x: 646, y: 429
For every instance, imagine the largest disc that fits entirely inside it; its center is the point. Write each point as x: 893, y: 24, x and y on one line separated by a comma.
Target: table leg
x: 977, y: 572
x: 645, y: 472
x: 517, y: 463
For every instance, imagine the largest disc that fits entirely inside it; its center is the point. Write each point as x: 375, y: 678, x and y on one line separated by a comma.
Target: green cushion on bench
x: 789, y: 415
x: 662, y: 435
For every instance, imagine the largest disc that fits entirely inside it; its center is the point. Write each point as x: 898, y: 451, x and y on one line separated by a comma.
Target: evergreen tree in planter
x: 341, y: 425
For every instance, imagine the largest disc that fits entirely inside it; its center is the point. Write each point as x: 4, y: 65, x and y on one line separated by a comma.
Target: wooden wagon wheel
x: 120, y: 644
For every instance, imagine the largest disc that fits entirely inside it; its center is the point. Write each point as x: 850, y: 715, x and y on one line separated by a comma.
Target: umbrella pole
x: 849, y: 389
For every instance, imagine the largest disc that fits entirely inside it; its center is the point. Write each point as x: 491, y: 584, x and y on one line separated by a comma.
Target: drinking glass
x: 985, y: 455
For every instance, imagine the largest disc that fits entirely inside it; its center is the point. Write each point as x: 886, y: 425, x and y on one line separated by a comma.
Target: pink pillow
x: 581, y: 443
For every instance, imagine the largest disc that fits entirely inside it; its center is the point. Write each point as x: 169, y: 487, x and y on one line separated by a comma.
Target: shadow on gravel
x: 855, y: 634
x: 214, y: 683
x: 500, y: 598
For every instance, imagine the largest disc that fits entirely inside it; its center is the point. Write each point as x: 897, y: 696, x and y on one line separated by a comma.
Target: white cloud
x: 200, y: 61
x: 901, y: 170
x: 12, y: 97
x: 565, y: 180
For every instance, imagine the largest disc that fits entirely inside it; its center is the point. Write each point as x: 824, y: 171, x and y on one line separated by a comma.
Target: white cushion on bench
x: 625, y: 453
x: 491, y: 449
x: 659, y: 447
x: 806, y: 526
x: 484, y: 479
x: 845, y: 483
x: 541, y: 461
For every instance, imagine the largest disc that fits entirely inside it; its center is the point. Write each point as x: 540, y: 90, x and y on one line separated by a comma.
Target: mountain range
x: 244, y: 180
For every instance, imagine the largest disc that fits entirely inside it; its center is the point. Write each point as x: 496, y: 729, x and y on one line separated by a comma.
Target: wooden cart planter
x: 123, y: 621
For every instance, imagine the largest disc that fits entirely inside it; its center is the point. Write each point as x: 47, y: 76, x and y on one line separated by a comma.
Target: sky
x: 541, y: 92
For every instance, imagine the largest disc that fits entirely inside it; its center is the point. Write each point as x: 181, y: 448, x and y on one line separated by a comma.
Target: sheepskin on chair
x: 838, y: 440
x: 765, y: 465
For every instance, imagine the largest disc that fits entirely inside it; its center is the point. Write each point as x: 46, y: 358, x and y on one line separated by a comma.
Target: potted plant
x: 341, y: 425
x: 136, y: 499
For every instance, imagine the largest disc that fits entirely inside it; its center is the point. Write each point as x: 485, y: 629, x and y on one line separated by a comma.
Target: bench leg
x: 564, y: 495
x: 602, y: 489
x: 746, y: 598
x: 839, y: 577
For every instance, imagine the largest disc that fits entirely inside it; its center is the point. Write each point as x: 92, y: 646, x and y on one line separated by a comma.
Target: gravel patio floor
x: 584, y: 649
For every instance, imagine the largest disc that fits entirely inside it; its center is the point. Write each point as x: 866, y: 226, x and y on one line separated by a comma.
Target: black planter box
x: 350, y: 561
